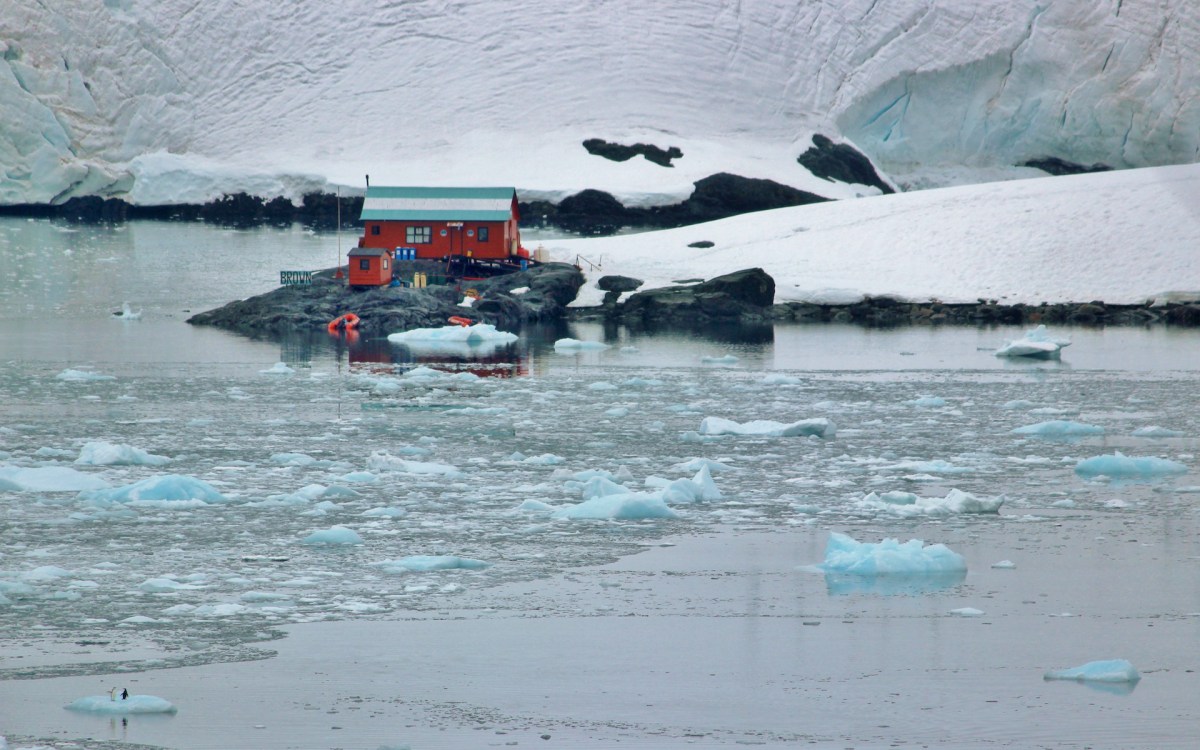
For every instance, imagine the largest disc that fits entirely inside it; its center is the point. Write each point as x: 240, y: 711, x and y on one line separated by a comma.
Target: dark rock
x: 384, y: 310
x: 592, y: 212
x: 703, y: 244
x: 743, y: 295
x: 1185, y: 315
x: 618, y: 283
x: 618, y: 152
x: 842, y: 162
x: 722, y: 195
x: 1059, y: 167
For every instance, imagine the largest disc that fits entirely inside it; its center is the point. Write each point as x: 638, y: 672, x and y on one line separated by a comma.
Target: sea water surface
x: 470, y: 615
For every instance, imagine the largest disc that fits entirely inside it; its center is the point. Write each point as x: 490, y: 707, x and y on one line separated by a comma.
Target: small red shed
x: 370, y: 266
x: 442, y: 221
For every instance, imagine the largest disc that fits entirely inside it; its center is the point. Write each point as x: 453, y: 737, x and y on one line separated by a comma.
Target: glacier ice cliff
x: 169, y: 101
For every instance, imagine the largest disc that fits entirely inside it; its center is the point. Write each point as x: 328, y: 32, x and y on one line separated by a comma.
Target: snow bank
x: 818, y: 427
x: 134, y: 704
x: 844, y: 555
x: 1119, y: 465
x: 1109, y: 670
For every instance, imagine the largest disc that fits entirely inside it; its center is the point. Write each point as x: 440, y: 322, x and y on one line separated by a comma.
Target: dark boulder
x: 841, y: 162
x: 1059, y: 167
x: 619, y: 152
x: 743, y: 295
x: 618, y: 284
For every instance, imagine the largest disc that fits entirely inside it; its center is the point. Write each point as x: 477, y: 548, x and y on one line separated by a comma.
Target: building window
x: 483, y: 234
x: 364, y: 264
x: 418, y: 235
x: 374, y: 229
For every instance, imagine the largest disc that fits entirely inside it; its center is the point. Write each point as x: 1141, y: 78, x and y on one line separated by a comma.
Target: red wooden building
x: 370, y: 266
x: 442, y: 221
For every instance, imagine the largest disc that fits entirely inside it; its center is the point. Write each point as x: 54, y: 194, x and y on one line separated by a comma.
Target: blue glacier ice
x: 633, y: 506
x: 1107, y: 670
x: 845, y: 555
x: 1119, y: 465
x: 1059, y: 428
x: 335, y: 535
x: 169, y: 487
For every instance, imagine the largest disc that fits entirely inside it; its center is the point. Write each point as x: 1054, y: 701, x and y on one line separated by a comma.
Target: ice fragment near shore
x: 473, y: 334
x: 575, y: 345
x: 170, y: 487
x: 889, y: 557
x: 335, y: 535
x: 1119, y: 465
x: 818, y: 427
x: 134, y: 704
x: 1109, y: 670
x: 1036, y: 344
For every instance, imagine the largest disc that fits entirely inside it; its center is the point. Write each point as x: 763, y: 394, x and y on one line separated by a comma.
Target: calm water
x: 731, y: 639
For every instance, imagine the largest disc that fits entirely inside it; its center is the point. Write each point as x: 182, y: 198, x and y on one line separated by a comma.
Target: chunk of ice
x: 134, y: 704
x: 888, y: 557
x: 1108, y: 670
x: 1119, y: 465
x: 818, y: 427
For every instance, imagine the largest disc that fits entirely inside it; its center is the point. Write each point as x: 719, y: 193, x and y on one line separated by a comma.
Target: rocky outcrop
x: 618, y: 152
x: 544, y: 292
x: 841, y: 162
x: 1059, y: 167
x: 740, y: 296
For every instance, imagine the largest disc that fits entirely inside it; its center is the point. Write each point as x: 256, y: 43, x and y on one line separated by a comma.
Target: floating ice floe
x: 818, y: 427
x: 170, y: 487
x: 927, y: 402
x: 1036, y: 344
x: 333, y: 536
x: 108, y: 454
x: 478, y: 338
x: 929, y: 467
x: 279, y: 368
x: 631, y: 506
x: 47, y: 479
x: 1154, y: 431
x: 845, y: 555
x: 967, y: 612
x: 1119, y: 466
x: 134, y: 704
x: 426, y: 563
x: 1059, y: 428
x: 82, y: 376
x: 908, y: 504
x: 1108, y: 670
x: 575, y: 345
x: 727, y: 359
x: 383, y: 461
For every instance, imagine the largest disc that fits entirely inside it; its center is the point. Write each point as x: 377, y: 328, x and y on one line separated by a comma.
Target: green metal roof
x: 438, y: 204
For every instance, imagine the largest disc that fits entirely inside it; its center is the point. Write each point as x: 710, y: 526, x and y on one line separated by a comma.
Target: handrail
x: 593, y: 266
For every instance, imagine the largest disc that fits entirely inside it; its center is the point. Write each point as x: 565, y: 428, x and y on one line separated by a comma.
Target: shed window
x: 374, y: 229
x: 483, y: 234
x: 364, y: 264
x: 418, y: 235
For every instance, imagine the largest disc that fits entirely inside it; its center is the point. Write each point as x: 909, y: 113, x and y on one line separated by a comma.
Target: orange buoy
x: 347, y: 322
x: 460, y: 321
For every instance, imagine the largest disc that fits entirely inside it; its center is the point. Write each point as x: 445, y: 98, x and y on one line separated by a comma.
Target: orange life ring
x: 461, y: 321
x: 347, y: 322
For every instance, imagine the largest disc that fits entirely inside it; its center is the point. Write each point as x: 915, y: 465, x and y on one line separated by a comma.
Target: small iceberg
x: 818, y: 427
x: 1059, y: 428
x: 845, y: 555
x: 1118, y: 465
x: 429, y: 563
x: 575, y: 345
x: 333, y: 536
x: 134, y: 704
x: 1035, y: 344
x: 454, y: 339
x: 1108, y: 670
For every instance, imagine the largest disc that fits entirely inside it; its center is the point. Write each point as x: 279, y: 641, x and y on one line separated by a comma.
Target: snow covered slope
x: 1122, y: 237
x: 181, y: 100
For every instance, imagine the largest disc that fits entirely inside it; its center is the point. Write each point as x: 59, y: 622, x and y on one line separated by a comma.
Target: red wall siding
x: 376, y: 275
x: 455, y: 241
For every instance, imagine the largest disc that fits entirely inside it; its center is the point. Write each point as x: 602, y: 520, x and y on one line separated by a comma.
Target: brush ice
x: 82, y: 376
x: 1119, y: 465
x: 48, y: 479
x: 1107, y: 670
x: 845, y: 555
x: 279, y: 368
x: 818, y: 427
x: 108, y: 454
x: 908, y: 504
x: 167, y: 487
x: 1154, y: 431
x: 1059, y: 428
x: 134, y: 704
x: 575, y: 345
